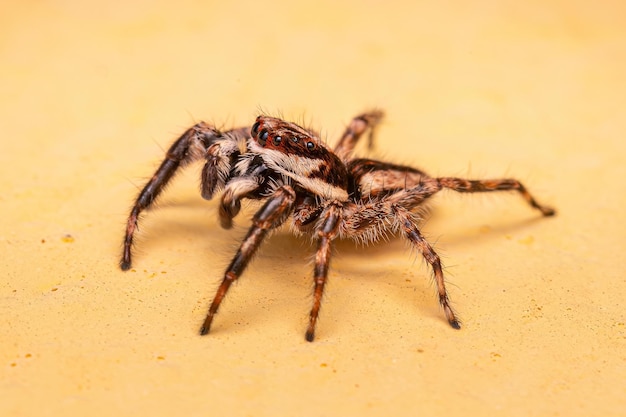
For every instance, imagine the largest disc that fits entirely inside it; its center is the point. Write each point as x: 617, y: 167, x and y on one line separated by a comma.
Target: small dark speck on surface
x: 67, y: 238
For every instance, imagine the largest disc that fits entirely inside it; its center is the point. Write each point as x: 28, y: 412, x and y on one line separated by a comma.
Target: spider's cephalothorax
x: 327, y: 193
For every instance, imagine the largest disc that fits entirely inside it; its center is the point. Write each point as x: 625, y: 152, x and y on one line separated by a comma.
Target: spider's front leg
x: 273, y: 213
x: 326, y: 231
x: 191, y: 146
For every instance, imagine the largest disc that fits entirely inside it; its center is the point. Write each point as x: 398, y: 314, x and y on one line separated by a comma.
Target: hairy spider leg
x: 196, y: 143
x: 410, y: 198
x: 184, y: 150
x: 273, y: 213
x: 355, y: 130
x: 368, y: 220
x: 427, y: 187
x: 472, y: 186
x: 326, y: 232
x: 413, y: 234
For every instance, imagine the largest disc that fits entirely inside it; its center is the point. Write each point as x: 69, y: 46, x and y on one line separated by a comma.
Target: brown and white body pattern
x: 323, y: 192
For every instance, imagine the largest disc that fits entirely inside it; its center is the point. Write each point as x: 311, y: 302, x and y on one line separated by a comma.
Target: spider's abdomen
x: 371, y: 179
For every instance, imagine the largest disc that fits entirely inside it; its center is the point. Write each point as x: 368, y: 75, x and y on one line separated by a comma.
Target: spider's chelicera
x: 325, y: 192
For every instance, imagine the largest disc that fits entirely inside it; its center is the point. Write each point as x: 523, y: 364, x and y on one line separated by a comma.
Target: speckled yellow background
x: 91, y: 94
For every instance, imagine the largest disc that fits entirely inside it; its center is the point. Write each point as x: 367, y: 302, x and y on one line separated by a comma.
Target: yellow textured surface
x: 92, y: 93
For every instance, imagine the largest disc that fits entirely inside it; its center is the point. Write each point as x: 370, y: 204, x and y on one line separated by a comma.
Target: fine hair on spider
x: 323, y: 192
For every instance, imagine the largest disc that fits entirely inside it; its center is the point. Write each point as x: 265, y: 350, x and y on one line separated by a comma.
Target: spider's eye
x: 263, y: 137
x: 277, y: 140
x: 255, y: 129
x: 310, y: 145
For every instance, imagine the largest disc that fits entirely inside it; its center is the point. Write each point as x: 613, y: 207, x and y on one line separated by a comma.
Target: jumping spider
x: 327, y: 193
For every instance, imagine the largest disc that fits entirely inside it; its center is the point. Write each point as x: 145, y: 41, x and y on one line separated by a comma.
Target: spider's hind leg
x: 412, y: 233
x: 472, y: 186
x: 191, y: 146
x: 354, y: 131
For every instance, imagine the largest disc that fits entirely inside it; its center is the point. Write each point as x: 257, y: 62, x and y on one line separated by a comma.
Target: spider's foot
x: 545, y: 210
x: 454, y: 322
x: 309, y: 335
x: 310, y: 330
x: 125, y: 264
x: 206, y: 327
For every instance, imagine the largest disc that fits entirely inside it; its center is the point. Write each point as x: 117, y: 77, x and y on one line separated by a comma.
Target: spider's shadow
x: 299, y: 252
x: 157, y: 230
x: 376, y: 270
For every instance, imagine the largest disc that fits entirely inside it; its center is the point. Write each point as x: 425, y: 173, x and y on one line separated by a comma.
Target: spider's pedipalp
x: 220, y: 157
x: 235, y: 191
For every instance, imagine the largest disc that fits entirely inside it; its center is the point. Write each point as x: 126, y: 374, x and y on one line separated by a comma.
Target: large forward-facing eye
x: 255, y: 129
x: 263, y: 137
